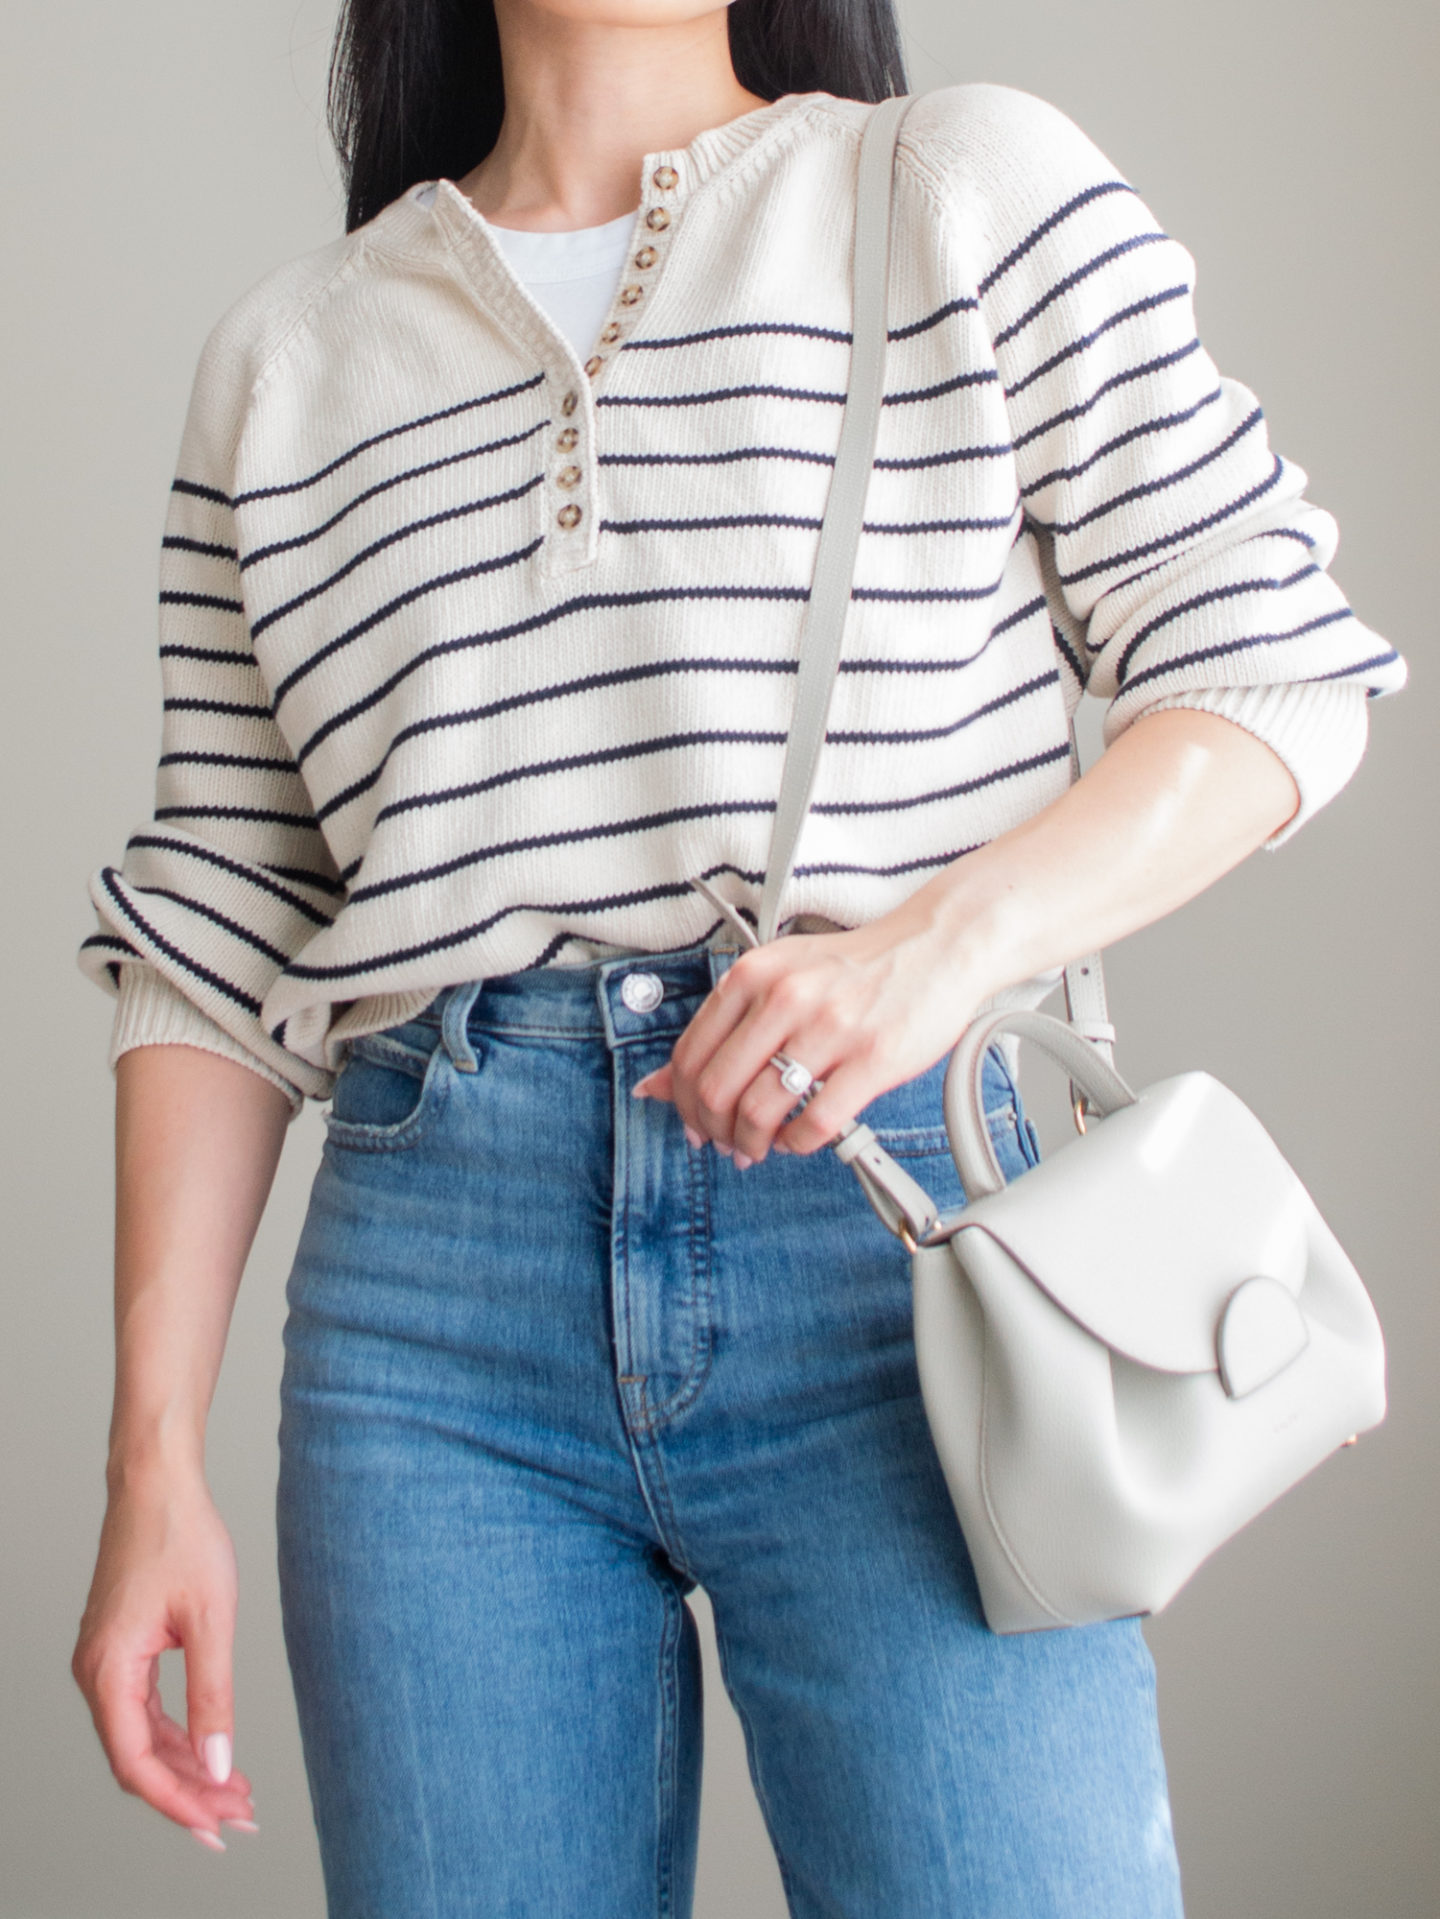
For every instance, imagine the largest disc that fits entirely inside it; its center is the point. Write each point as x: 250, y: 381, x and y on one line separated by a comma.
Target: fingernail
x: 241, y: 1825
x: 742, y: 1162
x: 721, y: 1147
x: 640, y: 1088
x: 697, y: 1140
x: 208, y: 1838
x: 217, y: 1757
x: 780, y: 1147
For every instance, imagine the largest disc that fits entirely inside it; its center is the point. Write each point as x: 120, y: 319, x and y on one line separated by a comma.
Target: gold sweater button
x: 646, y: 257
x: 665, y: 178
x: 570, y: 402
x: 569, y: 515
x: 657, y: 219
x: 569, y: 476
x: 568, y: 438
x: 629, y: 295
x: 593, y: 365
x: 611, y: 332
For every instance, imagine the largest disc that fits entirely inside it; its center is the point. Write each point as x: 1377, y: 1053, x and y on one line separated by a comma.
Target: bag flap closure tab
x: 1142, y: 1229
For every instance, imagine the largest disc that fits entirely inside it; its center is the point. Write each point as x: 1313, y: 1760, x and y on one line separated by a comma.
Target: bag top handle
x: 1105, y: 1092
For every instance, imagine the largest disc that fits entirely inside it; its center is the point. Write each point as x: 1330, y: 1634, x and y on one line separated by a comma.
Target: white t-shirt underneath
x: 572, y: 274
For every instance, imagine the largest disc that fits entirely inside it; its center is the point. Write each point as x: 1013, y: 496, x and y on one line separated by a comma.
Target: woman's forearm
x: 197, y: 1141
x: 1178, y: 800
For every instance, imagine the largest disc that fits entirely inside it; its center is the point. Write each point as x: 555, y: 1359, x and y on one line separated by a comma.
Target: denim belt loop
x: 454, y: 1022
x: 721, y: 950
x: 720, y: 960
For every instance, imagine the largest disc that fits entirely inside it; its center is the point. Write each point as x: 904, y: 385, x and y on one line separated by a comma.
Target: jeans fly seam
x: 701, y: 1345
x: 620, y: 1243
x: 655, y: 1491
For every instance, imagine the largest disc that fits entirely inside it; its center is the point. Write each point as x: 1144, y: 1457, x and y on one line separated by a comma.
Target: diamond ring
x: 794, y: 1077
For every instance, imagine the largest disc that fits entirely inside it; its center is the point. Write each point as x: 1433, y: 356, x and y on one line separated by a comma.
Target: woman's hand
x: 197, y: 1139
x: 164, y: 1578
x: 1177, y: 800
x: 862, y: 1010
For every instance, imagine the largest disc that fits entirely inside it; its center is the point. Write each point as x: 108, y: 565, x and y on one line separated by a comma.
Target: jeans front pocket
x: 389, y: 1090
x: 1014, y: 1139
x: 909, y: 1122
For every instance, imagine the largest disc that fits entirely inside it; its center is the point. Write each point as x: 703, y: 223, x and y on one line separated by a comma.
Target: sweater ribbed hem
x: 1320, y: 732
x: 151, y: 1012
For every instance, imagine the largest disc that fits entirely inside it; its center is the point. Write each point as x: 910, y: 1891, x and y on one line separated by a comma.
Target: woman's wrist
x: 968, y: 928
x: 158, y: 1450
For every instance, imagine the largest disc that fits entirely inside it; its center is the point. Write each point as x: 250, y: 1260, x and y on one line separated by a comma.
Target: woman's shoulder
x: 1005, y: 170
x: 970, y: 111
x: 311, y: 299
x: 983, y: 141
x: 253, y: 331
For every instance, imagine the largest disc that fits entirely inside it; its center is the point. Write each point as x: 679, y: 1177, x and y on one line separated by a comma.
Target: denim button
x: 642, y: 992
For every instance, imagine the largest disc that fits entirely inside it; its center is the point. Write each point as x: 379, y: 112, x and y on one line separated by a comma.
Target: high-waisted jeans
x: 546, y: 1368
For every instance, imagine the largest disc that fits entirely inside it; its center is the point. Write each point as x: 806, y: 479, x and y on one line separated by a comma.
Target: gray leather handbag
x: 1134, y: 1348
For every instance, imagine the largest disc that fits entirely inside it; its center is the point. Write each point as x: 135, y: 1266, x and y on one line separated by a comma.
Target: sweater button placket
x: 630, y: 295
x: 567, y: 439
x: 642, y: 264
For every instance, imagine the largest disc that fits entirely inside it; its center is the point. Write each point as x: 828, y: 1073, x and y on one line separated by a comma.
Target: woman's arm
x: 1185, y: 565
x: 1179, y: 799
x: 197, y: 1140
x: 232, y: 875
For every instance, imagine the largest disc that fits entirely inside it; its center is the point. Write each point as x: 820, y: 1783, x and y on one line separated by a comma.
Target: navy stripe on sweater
x: 1085, y: 341
x: 388, y: 433
x: 1047, y: 226
x: 678, y: 815
x: 426, y: 467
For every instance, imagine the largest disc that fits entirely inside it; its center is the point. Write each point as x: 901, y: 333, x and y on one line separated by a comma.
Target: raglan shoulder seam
x: 250, y: 339
x: 945, y: 151
x: 355, y: 254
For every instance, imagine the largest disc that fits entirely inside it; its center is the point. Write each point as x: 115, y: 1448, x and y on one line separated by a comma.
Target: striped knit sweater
x: 474, y: 651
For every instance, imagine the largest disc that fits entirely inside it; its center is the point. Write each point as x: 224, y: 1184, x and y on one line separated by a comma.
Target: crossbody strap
x: 822, y: 631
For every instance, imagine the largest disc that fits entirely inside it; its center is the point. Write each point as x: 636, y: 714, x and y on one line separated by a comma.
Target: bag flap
x: 1143, y: 1228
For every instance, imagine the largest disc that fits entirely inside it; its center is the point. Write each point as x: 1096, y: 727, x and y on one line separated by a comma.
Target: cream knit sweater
x: 473, y: 651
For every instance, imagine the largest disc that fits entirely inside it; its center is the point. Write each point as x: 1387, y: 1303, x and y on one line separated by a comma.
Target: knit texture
x: 474, y: 653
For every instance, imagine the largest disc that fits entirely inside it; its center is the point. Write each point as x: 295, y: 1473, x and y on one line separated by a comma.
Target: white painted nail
x: 208, y: 1838
x: 241, y: 1825
x: 217, y: 1757
x: 742, y: 1162
x: 697, y: 1140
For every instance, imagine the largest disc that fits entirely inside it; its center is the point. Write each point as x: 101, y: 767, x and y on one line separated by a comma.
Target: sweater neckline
x: 453, y: 237
x: 408, y: 222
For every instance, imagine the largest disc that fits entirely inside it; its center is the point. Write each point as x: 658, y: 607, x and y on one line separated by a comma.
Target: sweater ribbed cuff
x: 1319, y: 731
x: 151, y: 1012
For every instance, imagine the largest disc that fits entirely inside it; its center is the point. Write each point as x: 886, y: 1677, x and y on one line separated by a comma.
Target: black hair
x: 416, y: 91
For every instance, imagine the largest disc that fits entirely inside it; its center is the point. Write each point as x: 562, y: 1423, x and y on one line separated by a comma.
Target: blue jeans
x: 546, y: 1368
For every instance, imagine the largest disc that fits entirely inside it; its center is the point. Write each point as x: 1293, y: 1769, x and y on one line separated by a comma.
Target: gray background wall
x: 158, y: 158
